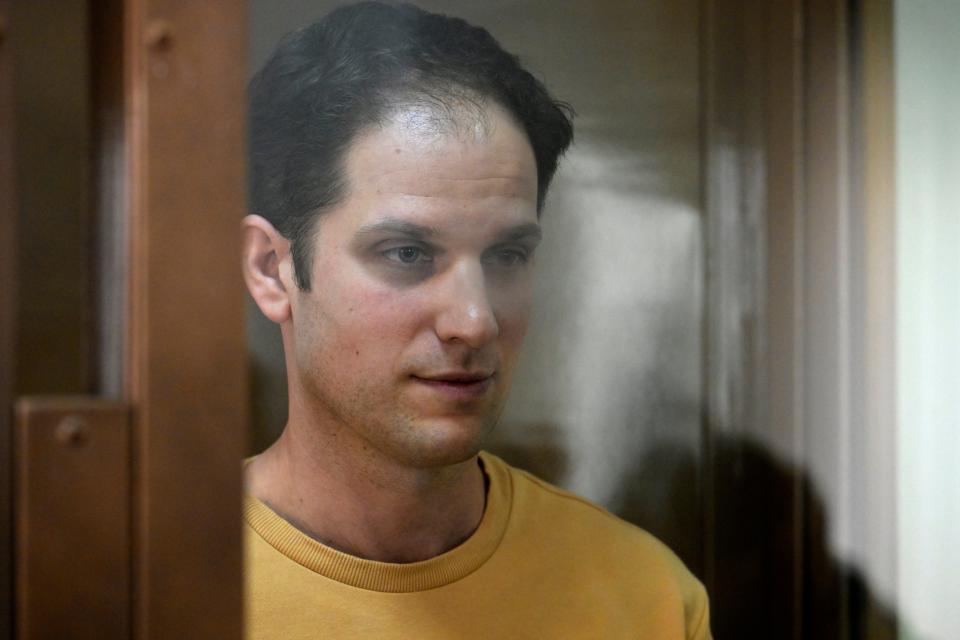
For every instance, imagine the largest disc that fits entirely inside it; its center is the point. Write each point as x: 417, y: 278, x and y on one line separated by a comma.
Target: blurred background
x: 745, y: 333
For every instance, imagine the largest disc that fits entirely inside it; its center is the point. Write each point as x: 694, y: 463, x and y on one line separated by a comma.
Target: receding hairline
x: 454, y: 111
x: 475, y: 121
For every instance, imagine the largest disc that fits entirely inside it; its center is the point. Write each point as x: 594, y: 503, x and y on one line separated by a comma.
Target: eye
x: 408, y: 255
x: 508, y: 257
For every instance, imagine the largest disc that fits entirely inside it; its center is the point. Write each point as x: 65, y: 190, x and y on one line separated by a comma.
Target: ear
x: 267, y: 268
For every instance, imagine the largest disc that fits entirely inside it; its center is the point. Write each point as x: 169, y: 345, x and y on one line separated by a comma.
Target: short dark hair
x: 326, y: 82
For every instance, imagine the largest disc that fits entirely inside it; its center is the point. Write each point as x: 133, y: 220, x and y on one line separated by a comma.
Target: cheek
x: 373, y: 325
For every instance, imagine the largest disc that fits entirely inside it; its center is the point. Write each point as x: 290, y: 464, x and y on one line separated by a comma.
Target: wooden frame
x: 874, y: 362
x: 185, y: 371
x: 800, y: 316
x: 753, y: 201
x: 168, y: 92
x: 73, y: 500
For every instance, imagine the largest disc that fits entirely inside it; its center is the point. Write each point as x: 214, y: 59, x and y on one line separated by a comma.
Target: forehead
x: 416, y: 166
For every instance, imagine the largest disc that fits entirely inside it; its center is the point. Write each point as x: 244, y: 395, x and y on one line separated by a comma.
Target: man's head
x: 412, y: 184
x: 328, y: 82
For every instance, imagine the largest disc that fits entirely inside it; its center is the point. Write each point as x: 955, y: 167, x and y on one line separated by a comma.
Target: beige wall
x: 928, y: 317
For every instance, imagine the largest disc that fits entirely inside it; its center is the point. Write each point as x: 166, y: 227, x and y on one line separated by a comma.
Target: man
x: 399, y: 164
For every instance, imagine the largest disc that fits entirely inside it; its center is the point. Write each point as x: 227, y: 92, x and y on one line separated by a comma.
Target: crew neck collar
x: 387, y: 576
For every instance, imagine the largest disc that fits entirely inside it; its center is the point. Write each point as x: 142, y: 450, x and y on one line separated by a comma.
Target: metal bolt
x: 72, y: 432
x: 159, y: 35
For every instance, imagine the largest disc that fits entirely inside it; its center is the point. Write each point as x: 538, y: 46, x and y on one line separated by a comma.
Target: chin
x: 443, y: 442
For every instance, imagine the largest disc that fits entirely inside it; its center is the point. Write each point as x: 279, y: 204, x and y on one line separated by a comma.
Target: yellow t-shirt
x: 543, y: 563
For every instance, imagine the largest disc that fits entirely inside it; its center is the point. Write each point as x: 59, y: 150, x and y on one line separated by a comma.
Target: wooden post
x: 185, y: 371
x: 149, y: 481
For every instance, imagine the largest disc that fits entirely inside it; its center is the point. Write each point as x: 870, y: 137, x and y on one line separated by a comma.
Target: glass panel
x: 607, y: 399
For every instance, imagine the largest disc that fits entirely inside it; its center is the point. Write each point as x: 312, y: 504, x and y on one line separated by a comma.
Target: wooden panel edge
x: 186, y: 346
x: 72, y: 517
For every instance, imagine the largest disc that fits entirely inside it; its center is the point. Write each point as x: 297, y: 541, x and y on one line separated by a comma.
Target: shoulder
x: 579, y: 519
x: 598, y: 547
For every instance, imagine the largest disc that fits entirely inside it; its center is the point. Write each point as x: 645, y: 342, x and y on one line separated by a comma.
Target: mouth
x: 458, y: 385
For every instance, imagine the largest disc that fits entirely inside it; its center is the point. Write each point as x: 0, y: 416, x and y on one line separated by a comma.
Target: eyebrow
x: 421, y: 232
x: 395, y: 225
x: 522, y: 232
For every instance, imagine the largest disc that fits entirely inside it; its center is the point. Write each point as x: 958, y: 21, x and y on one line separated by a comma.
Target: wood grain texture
x: 73, y: 518
x: 186, y: 364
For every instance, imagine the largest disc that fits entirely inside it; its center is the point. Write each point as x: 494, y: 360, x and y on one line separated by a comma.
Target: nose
x: 465, y: 313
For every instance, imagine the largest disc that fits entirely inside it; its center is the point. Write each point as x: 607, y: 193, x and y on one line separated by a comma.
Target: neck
x: 363, y: 503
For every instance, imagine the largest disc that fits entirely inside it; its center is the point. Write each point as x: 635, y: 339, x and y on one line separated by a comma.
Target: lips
x: 457, y: 385
x: 457, y: 376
